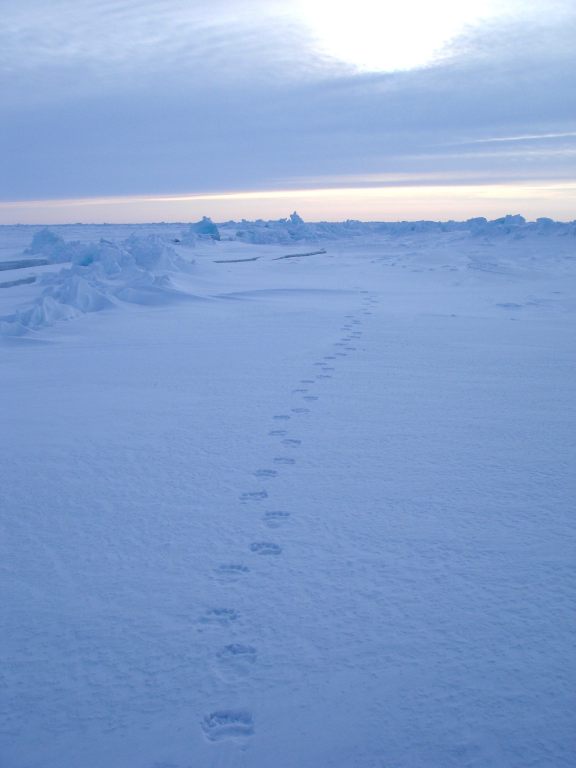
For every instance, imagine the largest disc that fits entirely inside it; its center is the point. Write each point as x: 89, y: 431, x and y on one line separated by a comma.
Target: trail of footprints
x: 233, y: 661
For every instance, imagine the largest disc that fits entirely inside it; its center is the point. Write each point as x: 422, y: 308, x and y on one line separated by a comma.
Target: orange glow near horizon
x: 556, y: 199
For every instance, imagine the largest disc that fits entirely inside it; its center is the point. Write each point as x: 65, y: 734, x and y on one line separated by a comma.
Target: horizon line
x: 540, y: 198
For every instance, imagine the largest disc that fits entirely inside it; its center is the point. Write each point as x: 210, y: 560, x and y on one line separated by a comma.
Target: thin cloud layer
x: 133, y: 100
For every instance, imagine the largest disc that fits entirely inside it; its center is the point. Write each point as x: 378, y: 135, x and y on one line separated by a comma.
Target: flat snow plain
x: 314, y: 512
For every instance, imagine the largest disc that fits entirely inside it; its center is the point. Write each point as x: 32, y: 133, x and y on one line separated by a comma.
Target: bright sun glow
x: 388, y: 35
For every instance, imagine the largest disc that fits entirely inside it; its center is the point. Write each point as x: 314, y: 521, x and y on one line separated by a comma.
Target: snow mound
x: 281, y: 232
x: 205, y: 229
x: 44, y: 241
x: 52, y: 247
x: 294, y: 229
x: 101, y: 275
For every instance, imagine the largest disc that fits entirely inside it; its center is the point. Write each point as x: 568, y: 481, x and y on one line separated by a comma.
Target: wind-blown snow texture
x: 301, y: 496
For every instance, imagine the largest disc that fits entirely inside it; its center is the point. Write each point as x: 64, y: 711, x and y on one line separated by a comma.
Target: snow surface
x: 305, y: 512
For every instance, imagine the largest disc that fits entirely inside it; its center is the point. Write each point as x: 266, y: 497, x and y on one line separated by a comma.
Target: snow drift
x: 141, y: 269
x: 101, y: 275
x: 295, y: 229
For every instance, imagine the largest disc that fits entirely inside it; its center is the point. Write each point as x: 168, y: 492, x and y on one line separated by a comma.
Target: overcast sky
x: 165, y: 110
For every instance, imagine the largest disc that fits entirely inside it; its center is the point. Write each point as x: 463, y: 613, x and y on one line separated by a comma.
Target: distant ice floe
x: 101, y: 274
x: 140, y: 270
x: 205, y: 228
x: 294, y: 229
x: 281, y: 232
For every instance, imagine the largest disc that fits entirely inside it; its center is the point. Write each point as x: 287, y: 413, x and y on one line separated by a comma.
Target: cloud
x: 74, y: 48
x: 120, y: 98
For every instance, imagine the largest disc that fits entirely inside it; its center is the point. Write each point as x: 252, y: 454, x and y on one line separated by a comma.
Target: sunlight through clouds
x: 122, y: 98
x: 387, y: 36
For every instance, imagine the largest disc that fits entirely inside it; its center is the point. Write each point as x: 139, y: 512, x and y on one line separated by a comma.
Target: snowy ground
x: 314, y: 512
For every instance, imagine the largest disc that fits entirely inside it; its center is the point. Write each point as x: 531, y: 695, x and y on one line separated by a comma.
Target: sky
x: 165, y: 111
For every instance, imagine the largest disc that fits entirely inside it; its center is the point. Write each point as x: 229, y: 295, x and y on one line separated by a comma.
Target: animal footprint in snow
x: 228, y: 724
x: 300, y: 410
x: 284, y: 460
x: 265, y: 548
x: 222, y: 616
x: 291, y: 441
x: 310, y: 398
x: 236, y: 660
x: 276, y: 519
x: 278, y: 432
x: 232, y: 571
x: 281, y: 417
x: 253, y: 496
x: 265, y: 473
x: 306, y: 381
x: 323, y: 376
x: 301, y: 389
